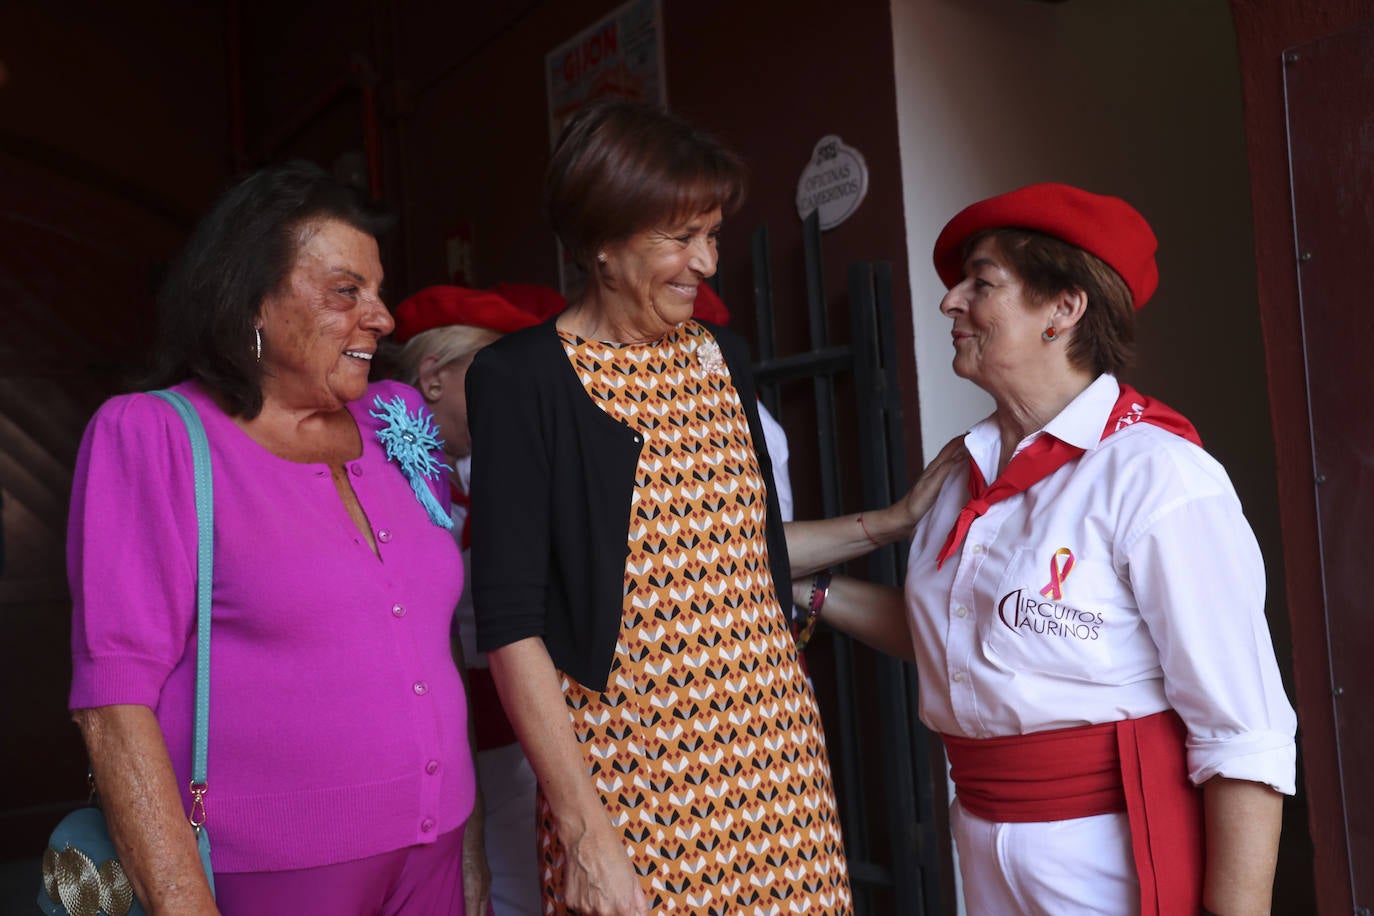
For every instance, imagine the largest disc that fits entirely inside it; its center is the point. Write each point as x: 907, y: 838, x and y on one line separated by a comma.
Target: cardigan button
x: 427, y: 824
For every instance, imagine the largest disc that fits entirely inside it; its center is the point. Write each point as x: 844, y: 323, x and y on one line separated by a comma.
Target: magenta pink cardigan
x: 338, y: 725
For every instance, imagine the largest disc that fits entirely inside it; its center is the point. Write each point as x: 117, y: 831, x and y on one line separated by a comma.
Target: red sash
x: 1136, y: 765
x: 1047, y: 454
x: 491, y: 728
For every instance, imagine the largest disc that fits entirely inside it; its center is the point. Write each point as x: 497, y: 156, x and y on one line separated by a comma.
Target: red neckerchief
x: 462, y: 499
x: 1047, y: 454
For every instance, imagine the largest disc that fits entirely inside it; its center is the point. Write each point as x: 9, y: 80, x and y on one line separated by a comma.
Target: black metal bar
x: 766, y: 318
x: 850, y: 791
x: 866, y: 287
x: 805, y: 365
x: 919, y: 738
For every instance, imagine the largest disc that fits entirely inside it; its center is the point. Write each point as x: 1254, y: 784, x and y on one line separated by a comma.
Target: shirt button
x: 432, y: 767
x: 958, y: 676
x: 959, y: 612
x: 420, y: 688
x: 356, y: 470
x: 977, y: 548
x: 398, y: 610
x: 384, y: 535
x: 427, y: 824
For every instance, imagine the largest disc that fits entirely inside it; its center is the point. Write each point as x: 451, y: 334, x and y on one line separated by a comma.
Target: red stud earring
x: 1049, y: 335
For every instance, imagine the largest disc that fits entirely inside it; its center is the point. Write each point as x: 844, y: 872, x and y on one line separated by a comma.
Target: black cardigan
x: 553, y: 479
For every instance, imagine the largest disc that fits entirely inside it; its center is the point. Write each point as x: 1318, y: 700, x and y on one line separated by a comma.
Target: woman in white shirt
x: 1089, y: 626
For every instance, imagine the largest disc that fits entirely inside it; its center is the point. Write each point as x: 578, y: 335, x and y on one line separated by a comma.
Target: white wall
x: 1136, y: 99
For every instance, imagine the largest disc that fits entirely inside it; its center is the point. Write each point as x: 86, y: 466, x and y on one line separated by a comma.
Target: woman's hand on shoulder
x: 598, y: 879
x: 922, y: 494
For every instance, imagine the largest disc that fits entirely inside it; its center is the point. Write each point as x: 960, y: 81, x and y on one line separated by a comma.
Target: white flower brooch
x: 411, y: 441
x: 709, y: 357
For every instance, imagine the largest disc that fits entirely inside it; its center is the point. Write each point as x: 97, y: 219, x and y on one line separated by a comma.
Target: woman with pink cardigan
x: 339, y: 777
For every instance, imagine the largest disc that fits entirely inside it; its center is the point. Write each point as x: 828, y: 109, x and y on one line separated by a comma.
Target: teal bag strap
x: 205, y: 557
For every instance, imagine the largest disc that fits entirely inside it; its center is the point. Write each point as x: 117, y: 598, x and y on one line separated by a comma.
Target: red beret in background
x: 540, y: 301
x: 438, y: 306
x: 1107, y: 227
x: 709, y: 306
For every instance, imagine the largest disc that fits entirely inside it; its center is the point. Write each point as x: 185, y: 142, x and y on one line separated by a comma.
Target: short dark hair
x: 240, y: 252
x: 621, y: 167
x: 1104, y: 338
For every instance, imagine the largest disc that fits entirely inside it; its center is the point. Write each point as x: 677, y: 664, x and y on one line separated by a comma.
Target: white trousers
x: 1057, y: 868
x: 508, y: 785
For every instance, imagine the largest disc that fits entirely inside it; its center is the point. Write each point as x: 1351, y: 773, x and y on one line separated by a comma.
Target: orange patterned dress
x: 707, y: 747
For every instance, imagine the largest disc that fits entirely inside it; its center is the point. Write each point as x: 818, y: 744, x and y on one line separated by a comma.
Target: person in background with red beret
x: 441, y: 329
x: 1085, y: 598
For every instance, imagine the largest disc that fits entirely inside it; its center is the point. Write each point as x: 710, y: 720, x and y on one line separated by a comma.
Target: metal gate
x: 893, y: 866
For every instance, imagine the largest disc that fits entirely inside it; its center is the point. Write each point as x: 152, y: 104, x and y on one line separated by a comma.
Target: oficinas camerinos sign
x: 834, y: 182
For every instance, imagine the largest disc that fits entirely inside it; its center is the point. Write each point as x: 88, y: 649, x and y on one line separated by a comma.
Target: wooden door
x: 1329, y: 87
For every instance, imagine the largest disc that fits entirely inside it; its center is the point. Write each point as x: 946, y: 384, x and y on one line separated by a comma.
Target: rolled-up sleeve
x: 511, y: 483
x: 130, y: 553
x: 1198, y: 578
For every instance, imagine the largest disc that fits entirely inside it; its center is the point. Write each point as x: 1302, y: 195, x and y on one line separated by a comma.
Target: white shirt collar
x: 1080, y: 423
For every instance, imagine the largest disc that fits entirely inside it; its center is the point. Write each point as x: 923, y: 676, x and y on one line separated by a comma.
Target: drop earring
x: 257, y: 344
x: 1049, y: 335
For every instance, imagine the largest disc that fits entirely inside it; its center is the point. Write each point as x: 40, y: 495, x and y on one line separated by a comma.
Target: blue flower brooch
x: 411, y: 440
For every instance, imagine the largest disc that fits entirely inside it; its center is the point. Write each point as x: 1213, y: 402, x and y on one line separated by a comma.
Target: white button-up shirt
x: 1124, y: 583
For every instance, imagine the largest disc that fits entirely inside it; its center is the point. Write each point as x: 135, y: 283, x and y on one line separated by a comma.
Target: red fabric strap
x: 1047, y: 454
x: 490, y: 726
x: 1136, y: 765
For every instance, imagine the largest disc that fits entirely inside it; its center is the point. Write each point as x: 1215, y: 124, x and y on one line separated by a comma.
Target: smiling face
x: 653, y: 275
x: 320, y: 329
x: 997, y: 323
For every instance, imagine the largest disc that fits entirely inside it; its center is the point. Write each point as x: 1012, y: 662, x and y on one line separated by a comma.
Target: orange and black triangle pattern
x: 707, y: 747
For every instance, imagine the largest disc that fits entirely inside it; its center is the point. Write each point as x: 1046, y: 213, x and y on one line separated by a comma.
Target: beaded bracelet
x: 820, y: 587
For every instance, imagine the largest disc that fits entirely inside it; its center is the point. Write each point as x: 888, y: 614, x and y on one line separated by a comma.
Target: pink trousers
x: 417, y: 881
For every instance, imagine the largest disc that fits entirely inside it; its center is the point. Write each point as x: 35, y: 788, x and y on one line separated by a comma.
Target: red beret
x: 438, y: 306
x: 540, y: 301
x: 1107, y: 227
x: 709, y: 306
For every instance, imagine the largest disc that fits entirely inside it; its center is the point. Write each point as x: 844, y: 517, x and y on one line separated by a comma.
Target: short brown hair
x: 1104, y: 338
x: 621, y: 167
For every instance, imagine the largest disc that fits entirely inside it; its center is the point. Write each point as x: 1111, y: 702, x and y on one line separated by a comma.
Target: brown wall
x: 1265, y: 29
x: 111, y: 139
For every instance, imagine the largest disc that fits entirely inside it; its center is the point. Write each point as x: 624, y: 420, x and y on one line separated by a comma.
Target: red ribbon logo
x: 1059, y: 571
